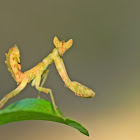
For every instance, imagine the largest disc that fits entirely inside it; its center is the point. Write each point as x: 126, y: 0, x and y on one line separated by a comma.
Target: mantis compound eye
x: 56, y: 42
x: 69, y: 44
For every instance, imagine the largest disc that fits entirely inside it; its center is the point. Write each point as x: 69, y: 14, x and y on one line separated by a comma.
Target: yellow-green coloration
x: 40, y: 72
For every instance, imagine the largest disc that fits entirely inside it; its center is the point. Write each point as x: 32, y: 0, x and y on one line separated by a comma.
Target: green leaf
x: 35, y: 109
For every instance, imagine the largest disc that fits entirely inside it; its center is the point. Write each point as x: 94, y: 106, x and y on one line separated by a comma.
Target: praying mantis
x: 39, y: 73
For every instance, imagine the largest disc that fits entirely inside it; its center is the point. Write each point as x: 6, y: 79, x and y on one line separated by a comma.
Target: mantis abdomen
x: 13, y: 63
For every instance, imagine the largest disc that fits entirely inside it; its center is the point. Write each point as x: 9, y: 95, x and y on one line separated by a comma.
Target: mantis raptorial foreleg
x: 43, y: 77
x: 13, y: 93
x: 77, y: 88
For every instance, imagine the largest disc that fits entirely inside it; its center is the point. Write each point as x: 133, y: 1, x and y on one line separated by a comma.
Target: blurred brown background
x: 105, y: 56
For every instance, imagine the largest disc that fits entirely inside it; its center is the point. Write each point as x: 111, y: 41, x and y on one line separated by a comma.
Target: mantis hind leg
x: 13, y: 93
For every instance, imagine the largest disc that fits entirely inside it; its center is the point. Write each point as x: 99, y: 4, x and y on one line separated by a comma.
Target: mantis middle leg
x: 45, y: 90
x: 13, y: 93
x: 44, y: 77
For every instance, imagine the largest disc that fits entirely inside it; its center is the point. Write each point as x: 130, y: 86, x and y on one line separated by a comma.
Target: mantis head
x: 62, y: 46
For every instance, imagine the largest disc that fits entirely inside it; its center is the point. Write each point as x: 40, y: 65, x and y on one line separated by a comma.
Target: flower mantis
x: 38, y: 74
